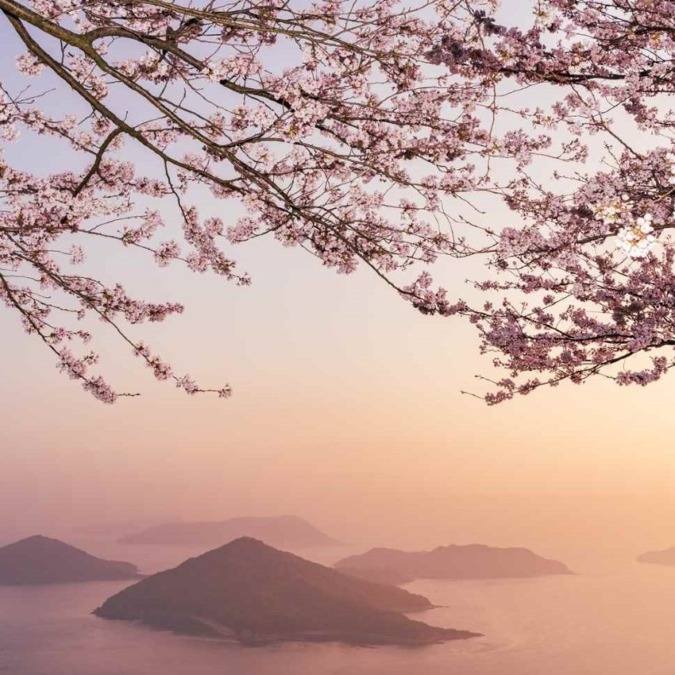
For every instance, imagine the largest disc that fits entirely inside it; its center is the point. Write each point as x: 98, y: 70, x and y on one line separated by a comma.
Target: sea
x: 614, y: 621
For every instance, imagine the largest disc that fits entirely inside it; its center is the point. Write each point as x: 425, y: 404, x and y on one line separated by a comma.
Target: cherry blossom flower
x: 637, y: 239
x: 671, y: 160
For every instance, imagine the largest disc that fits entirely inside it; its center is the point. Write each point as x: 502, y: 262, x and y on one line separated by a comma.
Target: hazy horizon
x: 347, y: 410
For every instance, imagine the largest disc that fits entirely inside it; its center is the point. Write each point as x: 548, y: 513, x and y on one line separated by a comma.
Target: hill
x: 255, y: 594
x: 474, y: 561
x: 282, y: 531
x: 665, y: 557
x: 41, y: 560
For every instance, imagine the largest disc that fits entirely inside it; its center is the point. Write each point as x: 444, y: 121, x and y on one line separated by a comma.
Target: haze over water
x: 347, y: 411
x: 618, y: 621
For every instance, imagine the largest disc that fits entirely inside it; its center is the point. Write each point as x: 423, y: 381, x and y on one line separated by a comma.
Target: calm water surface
x: 620, y: 622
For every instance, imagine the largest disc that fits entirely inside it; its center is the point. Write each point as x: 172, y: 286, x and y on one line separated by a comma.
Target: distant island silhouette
x: 665, y: 557
x: 474, y: 561
x: 41, y: 560
x: 255, y: 594
x: 280, y: 531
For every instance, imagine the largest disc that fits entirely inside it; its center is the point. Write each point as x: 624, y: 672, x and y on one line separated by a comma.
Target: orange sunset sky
x: 346, y: 410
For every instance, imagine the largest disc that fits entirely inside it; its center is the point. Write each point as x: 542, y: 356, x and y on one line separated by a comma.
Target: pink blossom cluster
x: 345, y: 148
x: 359, y: 132
x: 582, y: 283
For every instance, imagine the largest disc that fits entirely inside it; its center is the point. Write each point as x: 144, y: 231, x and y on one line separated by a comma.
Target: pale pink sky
x: 346, y: 410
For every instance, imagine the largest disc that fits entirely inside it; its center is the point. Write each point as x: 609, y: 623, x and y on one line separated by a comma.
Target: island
x: 474, y: 561
x: 252, y: 593
x: 665, y: 557
x: 286, y: 532
x: 378, y: 575
x: 41, y: 560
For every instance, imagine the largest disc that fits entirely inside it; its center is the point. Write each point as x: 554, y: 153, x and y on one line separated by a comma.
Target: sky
x: 347, y: 410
